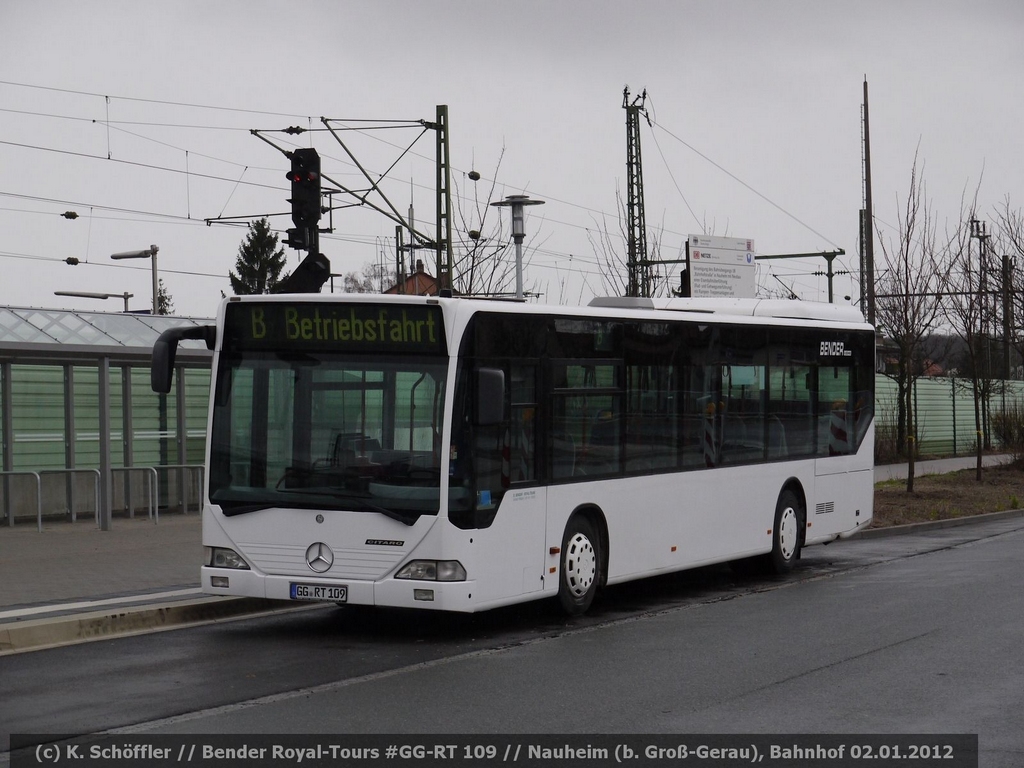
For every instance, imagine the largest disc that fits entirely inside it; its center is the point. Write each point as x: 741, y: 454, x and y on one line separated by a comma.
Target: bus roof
x: 776, y: 309
x: 779, y: 308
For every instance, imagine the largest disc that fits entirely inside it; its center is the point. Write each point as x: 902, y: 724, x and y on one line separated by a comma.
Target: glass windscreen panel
x: 326, y: 406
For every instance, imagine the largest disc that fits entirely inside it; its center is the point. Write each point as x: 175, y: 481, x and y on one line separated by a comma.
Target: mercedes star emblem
x: 319, y: 557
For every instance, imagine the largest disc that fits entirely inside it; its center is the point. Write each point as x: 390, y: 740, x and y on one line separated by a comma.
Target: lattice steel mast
x: 639, y: 278
x: 444, y: 201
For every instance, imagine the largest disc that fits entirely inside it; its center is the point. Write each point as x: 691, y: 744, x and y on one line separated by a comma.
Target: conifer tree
x: 164, y: 303
x: 259, y: 263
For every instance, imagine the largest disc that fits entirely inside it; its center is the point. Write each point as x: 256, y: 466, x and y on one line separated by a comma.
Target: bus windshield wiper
x: 231, y: 508
x: 365, y: 504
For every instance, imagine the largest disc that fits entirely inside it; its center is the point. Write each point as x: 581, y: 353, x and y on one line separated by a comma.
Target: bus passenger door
x: 525, y: 502
x: 494, y: 489
x: 841, y: 500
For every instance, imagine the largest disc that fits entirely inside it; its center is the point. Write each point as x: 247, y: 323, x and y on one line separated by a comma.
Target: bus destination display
x: 335, y: 327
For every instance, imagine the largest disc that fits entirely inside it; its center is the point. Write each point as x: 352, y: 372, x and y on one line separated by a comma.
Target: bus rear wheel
x: 581, y: 566
x: 786, y: 539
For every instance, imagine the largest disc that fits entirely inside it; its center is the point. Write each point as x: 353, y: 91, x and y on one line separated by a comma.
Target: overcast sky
x: 137, y: 116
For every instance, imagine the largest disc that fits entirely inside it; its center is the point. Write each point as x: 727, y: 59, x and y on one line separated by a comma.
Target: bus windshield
x: 327, y: 430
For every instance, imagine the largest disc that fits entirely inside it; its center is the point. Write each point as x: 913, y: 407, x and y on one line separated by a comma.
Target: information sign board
x: 721, y: 267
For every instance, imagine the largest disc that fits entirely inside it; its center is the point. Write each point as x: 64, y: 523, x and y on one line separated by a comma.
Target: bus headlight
x: 433, y: 570
x: 219, y: 557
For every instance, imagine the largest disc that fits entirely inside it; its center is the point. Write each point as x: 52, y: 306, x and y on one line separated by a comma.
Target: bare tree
x: 614, y: 264
x: 366, y: 281
x: 907, y: 302
x: 611, y: 261
x: 967, y: 307
x: 482, y: 261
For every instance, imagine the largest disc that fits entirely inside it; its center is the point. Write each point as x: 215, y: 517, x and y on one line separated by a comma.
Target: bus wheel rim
x: 788, y: 532
x: 580, y: 565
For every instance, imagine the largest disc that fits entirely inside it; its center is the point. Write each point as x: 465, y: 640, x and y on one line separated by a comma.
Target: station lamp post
x: 90, y: 295
x: 147, y: 254
x: 517, y: 203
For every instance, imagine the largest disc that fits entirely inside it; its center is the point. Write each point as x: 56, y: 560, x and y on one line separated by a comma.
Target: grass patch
x: 952, y: 495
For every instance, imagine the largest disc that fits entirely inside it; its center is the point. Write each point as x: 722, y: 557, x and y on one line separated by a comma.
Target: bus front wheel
x: 581, y: 566
x: 786, y: 533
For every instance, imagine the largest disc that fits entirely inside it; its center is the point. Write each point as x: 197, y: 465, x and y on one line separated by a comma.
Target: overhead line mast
x: 639, y: 278
x: 307, y: 189
x: 443, y: 244
x: 867, y: 222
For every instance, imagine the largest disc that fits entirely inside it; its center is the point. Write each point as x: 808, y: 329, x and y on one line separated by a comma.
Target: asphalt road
x: 913, y: 633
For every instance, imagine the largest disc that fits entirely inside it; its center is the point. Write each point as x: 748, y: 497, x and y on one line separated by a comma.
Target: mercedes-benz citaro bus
x: 459, y: 454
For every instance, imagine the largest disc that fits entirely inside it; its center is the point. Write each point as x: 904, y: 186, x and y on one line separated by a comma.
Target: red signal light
x: 305, y: 182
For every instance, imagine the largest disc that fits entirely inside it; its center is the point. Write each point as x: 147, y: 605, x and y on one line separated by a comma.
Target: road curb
x: 35, y: 634
x: 952, y: 522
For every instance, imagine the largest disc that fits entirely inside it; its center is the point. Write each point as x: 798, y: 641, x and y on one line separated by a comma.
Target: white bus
x: 460, y: 454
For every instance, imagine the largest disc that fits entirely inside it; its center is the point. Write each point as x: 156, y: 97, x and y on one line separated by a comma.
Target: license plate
x: 319, y: 592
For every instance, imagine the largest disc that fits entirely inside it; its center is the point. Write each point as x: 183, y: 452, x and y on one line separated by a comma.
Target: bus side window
x: 742, y: 411
x: 835, y: 411
x: 563, y: 437
x: 603, y: 449
x: 791, y: 407
x: 563, y: 455
x: 522, y: 428
x: 699, y: 431
x: 652, y: 423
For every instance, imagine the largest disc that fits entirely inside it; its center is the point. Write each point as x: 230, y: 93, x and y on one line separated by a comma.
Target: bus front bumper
x: 394, y: 593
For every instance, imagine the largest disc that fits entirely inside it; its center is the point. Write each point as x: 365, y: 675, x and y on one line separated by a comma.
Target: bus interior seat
x: 343, y: 457
x: 354, y: 443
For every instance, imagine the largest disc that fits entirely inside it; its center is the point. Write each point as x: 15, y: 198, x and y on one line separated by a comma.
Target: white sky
x: 770, y: 91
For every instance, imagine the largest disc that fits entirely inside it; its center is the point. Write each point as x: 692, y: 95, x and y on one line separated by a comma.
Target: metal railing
x: 95, y: 488
x: 39, y: 493
x: 151, y: 481
x: 152, y: 475
x: 185, y: 495
x: 9, y: 506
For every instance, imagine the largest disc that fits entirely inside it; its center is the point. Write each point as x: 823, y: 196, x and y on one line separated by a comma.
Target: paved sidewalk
x: 73, y: 583
x: 938, y: 466
x: 77, y: 561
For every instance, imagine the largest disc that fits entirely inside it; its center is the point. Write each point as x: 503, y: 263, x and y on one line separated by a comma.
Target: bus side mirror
x: 165, y: 349
x: 490, y: 396
x: 161, y: 367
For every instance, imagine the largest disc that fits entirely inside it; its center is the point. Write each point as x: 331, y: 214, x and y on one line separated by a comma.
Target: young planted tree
x: 907, y: 303
x: 260, y: 262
